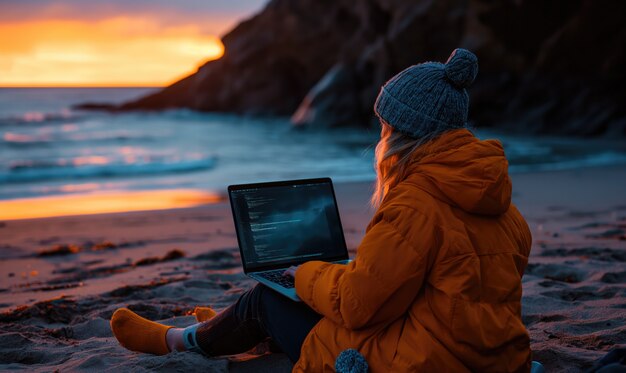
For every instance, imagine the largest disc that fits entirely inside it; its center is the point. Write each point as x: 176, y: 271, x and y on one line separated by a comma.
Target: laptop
x: 286, y: 223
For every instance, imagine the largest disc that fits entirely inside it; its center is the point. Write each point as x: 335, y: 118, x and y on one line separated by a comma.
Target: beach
x: 63, y: 277
x: 122, y: 125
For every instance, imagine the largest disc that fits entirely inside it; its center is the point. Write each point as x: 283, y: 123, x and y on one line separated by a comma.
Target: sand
x: 61, y: 278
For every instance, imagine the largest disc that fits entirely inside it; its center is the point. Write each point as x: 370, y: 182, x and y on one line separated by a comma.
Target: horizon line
x: 83, y: 86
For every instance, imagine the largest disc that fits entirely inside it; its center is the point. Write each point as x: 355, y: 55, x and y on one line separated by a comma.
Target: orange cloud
x: 119, y: 51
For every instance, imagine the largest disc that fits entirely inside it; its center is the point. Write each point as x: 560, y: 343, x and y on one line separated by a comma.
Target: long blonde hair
x: 392, y: 156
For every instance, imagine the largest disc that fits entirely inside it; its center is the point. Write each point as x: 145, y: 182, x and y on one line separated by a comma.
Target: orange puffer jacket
x: 436, y: 283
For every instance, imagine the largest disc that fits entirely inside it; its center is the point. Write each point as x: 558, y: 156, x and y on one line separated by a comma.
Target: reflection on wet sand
x: 98, y: 203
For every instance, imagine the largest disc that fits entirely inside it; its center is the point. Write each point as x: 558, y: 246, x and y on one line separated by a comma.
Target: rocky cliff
x: 553, y: 67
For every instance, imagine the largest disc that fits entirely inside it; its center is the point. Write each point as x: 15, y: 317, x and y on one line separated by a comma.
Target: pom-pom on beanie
x: 430, y: 97
x: 350, y: 361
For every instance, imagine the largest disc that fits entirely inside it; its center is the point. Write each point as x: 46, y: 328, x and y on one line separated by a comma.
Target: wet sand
x: 61, y: 278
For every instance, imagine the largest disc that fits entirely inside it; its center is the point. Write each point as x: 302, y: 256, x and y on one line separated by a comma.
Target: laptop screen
x: 285, y: 223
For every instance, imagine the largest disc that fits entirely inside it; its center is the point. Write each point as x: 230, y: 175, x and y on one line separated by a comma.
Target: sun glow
x: 119, y: 51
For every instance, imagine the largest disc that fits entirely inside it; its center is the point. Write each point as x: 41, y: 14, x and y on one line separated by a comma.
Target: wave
x: 45, y: 170
x: 38, y: 118
x: 595, y: 160
x: 17, y: 140
x: 64, y: 115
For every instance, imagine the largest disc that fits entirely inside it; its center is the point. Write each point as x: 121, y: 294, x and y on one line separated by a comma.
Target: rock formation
x: 555, y: 67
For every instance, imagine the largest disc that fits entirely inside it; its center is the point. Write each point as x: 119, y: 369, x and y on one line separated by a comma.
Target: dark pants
x: 259, y: 314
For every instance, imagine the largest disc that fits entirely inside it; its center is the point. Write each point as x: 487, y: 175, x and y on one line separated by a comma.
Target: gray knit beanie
x: 430, y: 97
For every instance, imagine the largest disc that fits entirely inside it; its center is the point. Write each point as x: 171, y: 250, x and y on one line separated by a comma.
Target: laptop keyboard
x: 278, y: 278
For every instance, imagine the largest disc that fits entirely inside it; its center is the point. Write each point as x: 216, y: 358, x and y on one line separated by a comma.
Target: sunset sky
x: 114, y: 42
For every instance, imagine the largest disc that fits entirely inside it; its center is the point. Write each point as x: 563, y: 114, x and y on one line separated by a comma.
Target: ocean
x: 46, y: 148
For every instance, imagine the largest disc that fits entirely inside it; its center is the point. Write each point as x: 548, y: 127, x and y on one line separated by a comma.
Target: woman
x: 436, y: 283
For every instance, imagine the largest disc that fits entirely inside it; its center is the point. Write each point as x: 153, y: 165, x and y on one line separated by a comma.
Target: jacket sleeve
x: 384, y: 279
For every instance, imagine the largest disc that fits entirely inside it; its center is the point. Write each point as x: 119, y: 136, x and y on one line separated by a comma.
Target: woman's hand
x: 291, y: 271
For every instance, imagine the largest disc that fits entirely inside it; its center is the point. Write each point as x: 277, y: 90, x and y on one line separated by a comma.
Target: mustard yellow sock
x: 204, y: 313
x: 139, y: 334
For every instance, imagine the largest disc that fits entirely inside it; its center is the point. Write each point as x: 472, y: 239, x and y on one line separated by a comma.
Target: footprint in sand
x: 557, y: 272
x: 581, y: 294
x: 603, y: 254
x: 614, y: 277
